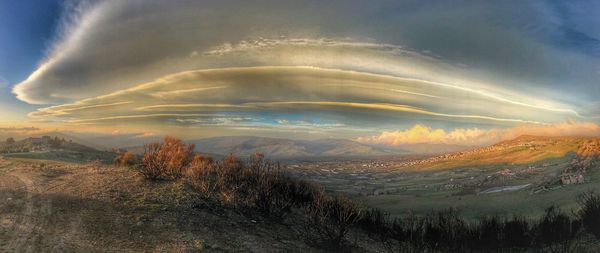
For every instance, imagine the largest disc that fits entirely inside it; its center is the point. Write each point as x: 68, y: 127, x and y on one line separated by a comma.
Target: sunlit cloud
x: 181, y: 35
x: 387, y: 107
x: 214, y: 64
x: 419, y: 134
x: 337, y: 96
x: 184, y: 92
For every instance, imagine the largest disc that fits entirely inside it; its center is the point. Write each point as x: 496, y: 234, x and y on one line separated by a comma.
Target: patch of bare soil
x: 59, y: 207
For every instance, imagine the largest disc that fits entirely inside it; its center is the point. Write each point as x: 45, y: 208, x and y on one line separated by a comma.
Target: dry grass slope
x: 522, y: 150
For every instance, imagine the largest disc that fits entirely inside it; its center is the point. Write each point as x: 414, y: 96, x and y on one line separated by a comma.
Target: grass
x: 546, y: 148
x: 66, y: 156
x: 259, y: 186
x: 521, y: 202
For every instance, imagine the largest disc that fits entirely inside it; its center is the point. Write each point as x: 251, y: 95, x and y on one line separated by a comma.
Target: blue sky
x: 27, y: 29
x: 307, y: 69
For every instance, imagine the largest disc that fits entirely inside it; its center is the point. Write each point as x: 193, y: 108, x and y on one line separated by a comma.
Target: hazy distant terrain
x: 286, y: 148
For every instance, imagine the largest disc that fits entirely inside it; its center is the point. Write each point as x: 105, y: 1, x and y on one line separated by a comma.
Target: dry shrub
x: 125, y: 159
x: 251, y: 185
x: 166, y: 160
x: 200, y: 175
x: 379, y: 226
x: 589, y: 213
x: 258, y: 185
x: 556, y: 231
x: 331, y: 218
x: 517, y: 233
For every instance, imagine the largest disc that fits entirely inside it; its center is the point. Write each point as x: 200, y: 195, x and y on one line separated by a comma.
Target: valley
x: 516, y: 177
x: 66, y: 203
x: 480, y: 182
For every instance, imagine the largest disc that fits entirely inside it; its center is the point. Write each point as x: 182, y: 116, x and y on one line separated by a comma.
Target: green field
x: 403, y: 192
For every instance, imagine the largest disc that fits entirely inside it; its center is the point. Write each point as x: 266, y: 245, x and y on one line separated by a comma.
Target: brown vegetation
x: 166, y: 160
x: 256, y: 186
x: 125, y: 159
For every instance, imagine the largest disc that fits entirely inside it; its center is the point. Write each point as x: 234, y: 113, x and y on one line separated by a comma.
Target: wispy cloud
x: 394, y: 64
x: 342, y: 97
x: 186, y: 91
x: 181, y: 35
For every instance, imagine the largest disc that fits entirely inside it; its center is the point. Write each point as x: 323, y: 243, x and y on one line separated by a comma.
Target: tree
x: 10, y: 140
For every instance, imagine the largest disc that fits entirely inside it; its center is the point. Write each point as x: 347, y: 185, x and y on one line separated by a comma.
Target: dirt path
x: 61, y: 207
x: 30, y: 219
x: 24, y: 216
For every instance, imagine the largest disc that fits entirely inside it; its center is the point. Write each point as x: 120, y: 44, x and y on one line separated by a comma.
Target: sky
x: 382, y: 72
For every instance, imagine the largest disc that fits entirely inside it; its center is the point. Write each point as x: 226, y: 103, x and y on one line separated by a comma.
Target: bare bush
x: 381, y: 228
x: 589, y: 213
x: 256, y: 186
x: 331, y: 218
x: 166, y: 160
x: 201, y: 174
x: 555, y: 231
x: 517, y: 235
x: 125, y: 159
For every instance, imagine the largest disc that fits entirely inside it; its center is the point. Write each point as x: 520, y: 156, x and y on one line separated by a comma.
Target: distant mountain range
x: 286, y: 148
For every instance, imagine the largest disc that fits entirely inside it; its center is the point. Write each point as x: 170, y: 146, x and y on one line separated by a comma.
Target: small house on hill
x: 34, y: 140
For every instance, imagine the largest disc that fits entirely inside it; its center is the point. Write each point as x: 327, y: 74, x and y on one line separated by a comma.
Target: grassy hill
x: 54, y: 148
x: 522, y: 150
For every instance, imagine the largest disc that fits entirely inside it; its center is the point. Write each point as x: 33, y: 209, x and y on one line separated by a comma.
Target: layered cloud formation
x: 211, y: 96
x: 340, y: 68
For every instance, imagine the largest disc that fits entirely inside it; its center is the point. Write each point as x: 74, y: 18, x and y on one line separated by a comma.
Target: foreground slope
x: 61, y: 207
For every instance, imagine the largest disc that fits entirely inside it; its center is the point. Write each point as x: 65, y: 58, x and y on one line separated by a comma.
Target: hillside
x: 522, y: 150
x: 64, y: 207
x: 285, y: 148
x: 53, y: 148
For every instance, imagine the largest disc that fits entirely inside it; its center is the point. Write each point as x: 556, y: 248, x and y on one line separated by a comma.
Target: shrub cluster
x: 252, y: 184
x: 257, y: 185
x: 446, y: 231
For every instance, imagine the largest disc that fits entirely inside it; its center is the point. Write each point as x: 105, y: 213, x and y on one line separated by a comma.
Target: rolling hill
x: 54, y: 148
x: 522, y: 150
